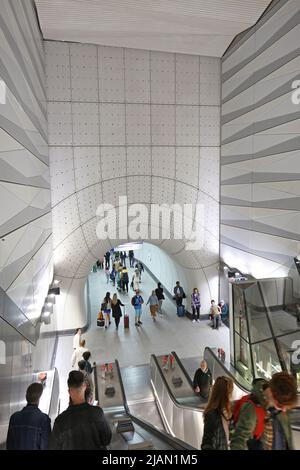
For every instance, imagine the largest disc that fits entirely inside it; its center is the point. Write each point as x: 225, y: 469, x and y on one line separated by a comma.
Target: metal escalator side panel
x: 184, y: 422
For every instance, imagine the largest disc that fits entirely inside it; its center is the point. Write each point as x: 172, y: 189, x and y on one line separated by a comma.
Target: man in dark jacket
x: 29, y: 429
x: 203, y: 380
x: 81, y: 426
x: 179, y: 294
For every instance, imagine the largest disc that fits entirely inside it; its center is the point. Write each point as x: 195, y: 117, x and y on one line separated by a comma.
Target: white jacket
x: 77, y: 356
x: 136, y: 281
x: 76, y: 341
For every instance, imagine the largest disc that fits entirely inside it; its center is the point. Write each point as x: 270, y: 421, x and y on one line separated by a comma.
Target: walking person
x: 217, y: 416
x: 196, y: 304
x: 81, y: 426
x: 107, y: 259
x: 179, y: 294
x: 29, y: 429
x: 106, y: 308
x: 153, y: 301
x: 131, y: 258
x: 89, y: 392
x: 116, y: 305
x: 137, y: 302
x: 77, y: 338
x: 136, y: 280
x: 124, y: 279
x: 139, y: 266
x: 77, y: 353
x: 160, y: 295
x: 88, y: 367
x: 107, y: 274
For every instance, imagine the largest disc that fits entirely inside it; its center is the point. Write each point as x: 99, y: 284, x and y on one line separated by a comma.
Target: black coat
x: 80, y: 427
x: 116, y: 309
x: 160, y: 293
x: 203, y: 380
x: 214, y: 437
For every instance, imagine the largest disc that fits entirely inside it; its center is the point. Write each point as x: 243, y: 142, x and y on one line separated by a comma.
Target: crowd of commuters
x: 258, y: 421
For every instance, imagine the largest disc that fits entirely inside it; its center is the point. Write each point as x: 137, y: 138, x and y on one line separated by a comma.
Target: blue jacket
x: 29, y: 429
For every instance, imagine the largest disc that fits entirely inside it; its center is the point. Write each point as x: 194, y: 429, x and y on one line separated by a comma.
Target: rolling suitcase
x: 100, y: 319
x: 126, y: 320
x: 180, y: 311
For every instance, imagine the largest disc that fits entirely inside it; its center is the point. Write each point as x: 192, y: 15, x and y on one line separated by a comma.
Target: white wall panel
x: 139, y: 160
x: 112, y: 124
x: 59, y: 123
x: 162, y: 77
x: 85, y: 123
x: 86, y: 166
x: 209, y: 126
x: 187, y: 79
x: 137, y: 76
x: 61, y: 172
x: 210, y: 81
x: 58, y: 77
x: 187, y: 165
x: 129, y: 135
x: 138, y: 124
x: 187, y: 125
x: 113, y: 162
x: 111, y: 74
x: 84, y: 72
x: 163, y: 125
x: 163, y: 161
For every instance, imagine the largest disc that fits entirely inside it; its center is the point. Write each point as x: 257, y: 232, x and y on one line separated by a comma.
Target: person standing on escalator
x: 203, y: 380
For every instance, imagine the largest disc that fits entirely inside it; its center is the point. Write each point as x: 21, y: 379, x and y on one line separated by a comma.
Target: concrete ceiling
x: 204, y: 27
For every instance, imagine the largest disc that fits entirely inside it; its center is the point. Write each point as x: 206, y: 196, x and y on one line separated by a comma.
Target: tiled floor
x: 134, y: 346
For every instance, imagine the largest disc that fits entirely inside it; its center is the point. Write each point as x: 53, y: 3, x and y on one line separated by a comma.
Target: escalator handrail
x: 184, y: 371
x: 227, y: 372
x: 235, y: 380
x: 144, y: 424
x: 170, y: 393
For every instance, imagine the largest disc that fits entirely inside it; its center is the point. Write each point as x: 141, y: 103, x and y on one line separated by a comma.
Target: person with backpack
x: 262, y: 419
x: 217, y: 416
x: 124, y: 279
x: 137, y: 302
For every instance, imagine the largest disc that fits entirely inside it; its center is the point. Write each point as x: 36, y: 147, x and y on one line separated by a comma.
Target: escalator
x: 241, y: 387
x: 130, y: 430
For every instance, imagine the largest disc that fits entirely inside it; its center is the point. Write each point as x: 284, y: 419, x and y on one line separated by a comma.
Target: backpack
x: 125, y: 277
x: 135, y: 300
x: 260, y: 414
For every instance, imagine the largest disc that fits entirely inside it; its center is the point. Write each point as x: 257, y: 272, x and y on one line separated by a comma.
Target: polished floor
x: 135, y: 345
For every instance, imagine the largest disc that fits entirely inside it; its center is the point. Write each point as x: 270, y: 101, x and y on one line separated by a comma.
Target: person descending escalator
x: 29, y: 429
x: 81, y: 426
